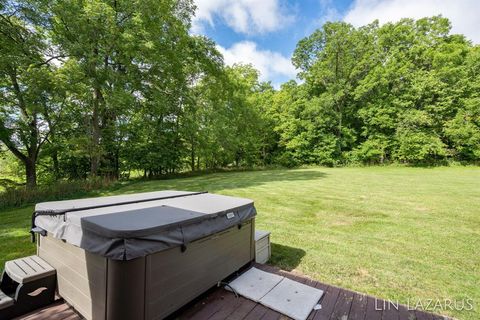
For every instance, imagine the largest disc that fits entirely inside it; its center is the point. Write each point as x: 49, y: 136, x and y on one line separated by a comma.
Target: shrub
x: 18, y: 196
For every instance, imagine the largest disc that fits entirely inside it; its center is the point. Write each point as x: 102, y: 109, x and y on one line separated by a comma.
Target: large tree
x: 399, y: 92
x: 126, y: 54
x: 28, y: 106
x: 330, y: 61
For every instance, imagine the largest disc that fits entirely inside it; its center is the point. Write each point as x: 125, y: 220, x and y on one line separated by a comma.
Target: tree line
x: 103, y: 88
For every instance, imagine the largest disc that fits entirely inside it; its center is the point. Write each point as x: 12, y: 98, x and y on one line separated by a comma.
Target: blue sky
x: 265, y: 32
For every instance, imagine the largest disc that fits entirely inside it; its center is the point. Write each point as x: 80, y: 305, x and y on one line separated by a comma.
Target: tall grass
x: 16, y: 197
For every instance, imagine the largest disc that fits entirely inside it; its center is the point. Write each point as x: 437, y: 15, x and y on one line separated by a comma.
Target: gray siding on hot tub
x: 151, y: 287
x: 81, y: 276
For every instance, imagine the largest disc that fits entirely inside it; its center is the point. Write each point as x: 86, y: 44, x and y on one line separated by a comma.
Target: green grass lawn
x: 396, y: 233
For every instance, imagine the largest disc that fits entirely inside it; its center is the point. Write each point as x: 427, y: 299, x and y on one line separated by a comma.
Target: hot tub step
x: 27, y: 284
x: 28, y: 269
x: 5, y: 301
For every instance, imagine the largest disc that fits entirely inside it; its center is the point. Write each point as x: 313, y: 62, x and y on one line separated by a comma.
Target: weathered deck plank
x: 359, y: 307
x: 372, y: 313
x: 56, y: 311
x: 220, y: 304
x: 328, y: 303
x: 256, y: 313
x: 341, y: 310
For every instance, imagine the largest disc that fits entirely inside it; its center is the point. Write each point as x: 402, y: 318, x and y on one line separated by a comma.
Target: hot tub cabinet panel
x: 149, y: 287
x: 175, y: 278
x: 81, y: 276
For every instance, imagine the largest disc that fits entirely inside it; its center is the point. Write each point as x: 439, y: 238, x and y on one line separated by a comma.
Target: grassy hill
x: 397, y: 233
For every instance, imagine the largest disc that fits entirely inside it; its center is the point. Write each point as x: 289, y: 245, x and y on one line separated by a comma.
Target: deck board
x: 404, y: 313
x: 256, y: 313
x: 56, y: 311
x: 327, y: 303
x: 229, y: 304
x: 341, y: 310
x: 372, y: 313
x: 220, y: 304
x: 359, y: 307
x: 243, y: 310
x: 271, y: 315
x: 423, y: 315
x: 390, y: 313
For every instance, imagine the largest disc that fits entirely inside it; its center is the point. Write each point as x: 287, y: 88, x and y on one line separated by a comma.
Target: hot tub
x: 143, y: 256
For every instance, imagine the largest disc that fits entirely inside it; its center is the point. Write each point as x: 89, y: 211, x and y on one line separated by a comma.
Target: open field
x: 397, y: 233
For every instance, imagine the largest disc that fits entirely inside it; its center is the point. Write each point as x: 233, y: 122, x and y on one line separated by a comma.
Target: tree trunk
x: 32, y: 154
x: 339, y: 135
x: 54, y: 155
x: 31, y: 143
x: 192, y: 158
x: 56, y: 165
x: 95, y: 157
x: 31, y: 173
x: 117, y: 164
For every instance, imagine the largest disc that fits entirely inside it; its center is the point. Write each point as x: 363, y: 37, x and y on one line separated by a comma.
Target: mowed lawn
x: 397, y: 233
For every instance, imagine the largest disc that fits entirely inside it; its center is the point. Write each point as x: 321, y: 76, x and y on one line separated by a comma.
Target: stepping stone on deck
x: 278, y: 293
x: 292, y: 298
x: 255, y: 283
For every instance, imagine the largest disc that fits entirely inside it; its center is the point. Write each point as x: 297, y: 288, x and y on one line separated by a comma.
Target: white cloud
x: 463, y: 14
x: 243, y: 16
x: 272, y: 65
x: 329, y: 12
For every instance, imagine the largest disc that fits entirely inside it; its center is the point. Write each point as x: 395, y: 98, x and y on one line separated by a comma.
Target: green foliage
x: 371, y: 151
x: 26, y: 82
x: 124, y: 87
x: 101, y: 88
x: 463, y: 130
x: 405, y: 91
x: 20, y: 196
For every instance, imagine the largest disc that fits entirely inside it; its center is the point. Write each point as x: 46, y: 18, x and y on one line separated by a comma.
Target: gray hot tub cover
x: 132, y: 230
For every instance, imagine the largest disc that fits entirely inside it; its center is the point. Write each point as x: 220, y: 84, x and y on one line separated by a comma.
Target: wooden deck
x: 220, y: 304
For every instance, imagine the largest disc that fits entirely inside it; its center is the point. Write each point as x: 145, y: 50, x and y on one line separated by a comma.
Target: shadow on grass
x: 227, y: 180
x: 285, y: 257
